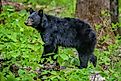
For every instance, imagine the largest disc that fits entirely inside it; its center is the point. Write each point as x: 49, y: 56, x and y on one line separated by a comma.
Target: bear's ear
x: 31, y: 10
x: 40, y: 12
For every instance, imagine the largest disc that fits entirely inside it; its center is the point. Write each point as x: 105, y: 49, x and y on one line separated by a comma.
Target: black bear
x: 66, y: 32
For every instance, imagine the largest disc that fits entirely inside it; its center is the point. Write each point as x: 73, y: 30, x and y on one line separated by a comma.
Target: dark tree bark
x: 0, y: 6
x: 0, y: 10
x: 114, y: 12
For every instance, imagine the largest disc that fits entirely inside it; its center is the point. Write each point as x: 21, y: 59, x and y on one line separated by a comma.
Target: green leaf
x: 11, y: 79
x: 64, y: 56
x: 54, y: 72
x: 2, y: 78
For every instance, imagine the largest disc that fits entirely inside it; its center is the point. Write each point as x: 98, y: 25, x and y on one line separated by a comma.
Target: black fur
x: 67, y: 32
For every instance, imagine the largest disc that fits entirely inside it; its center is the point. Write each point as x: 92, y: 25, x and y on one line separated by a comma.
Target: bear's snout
x: 28, y: 22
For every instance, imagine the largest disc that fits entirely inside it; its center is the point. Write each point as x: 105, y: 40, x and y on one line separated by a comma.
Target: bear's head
x: 35, y: 18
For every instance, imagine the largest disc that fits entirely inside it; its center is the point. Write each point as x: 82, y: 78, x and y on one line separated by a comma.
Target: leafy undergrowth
x: 21, y: 49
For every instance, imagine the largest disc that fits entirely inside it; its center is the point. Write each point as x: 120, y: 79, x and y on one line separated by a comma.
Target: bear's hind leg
x: 93, y: 59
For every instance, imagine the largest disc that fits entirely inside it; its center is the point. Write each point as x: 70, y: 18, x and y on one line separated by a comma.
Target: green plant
x: 21, y: 47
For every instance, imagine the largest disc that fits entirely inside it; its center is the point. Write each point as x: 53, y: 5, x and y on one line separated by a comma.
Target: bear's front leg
x: 83, y: 58
x: 48, y: 49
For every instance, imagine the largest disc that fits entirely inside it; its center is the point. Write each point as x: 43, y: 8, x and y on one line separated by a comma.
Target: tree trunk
x: 96, y: 12
x: 0, y: 6
x: 90, y: 10
x: 0, y: 10
x: 114, y: 11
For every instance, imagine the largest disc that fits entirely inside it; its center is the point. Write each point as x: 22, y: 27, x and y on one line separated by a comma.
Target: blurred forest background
x: 21, y: 46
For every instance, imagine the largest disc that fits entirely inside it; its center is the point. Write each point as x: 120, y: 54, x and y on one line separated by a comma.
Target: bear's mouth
x: 28, y: 23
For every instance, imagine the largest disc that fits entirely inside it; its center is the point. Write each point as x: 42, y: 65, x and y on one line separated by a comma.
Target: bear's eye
x: 31, y: 18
